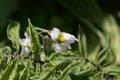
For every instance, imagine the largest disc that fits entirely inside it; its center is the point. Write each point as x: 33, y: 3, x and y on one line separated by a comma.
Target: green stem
x: 41, y: 29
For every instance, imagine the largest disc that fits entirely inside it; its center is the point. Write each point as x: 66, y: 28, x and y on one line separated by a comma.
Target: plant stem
x: 41, y: 29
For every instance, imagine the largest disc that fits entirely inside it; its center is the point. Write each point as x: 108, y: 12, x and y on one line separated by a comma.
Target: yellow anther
x: 61, y: 37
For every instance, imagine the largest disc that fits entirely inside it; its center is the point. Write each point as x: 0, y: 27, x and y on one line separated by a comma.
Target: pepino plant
x: 48, y: 55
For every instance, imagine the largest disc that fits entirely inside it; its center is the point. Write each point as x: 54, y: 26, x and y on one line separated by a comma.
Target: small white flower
x: 62, y: 40
x: 26, y: 43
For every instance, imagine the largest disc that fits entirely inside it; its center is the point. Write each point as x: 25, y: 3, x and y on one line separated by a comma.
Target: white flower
x: 62, y: 40
x: 26, y: 43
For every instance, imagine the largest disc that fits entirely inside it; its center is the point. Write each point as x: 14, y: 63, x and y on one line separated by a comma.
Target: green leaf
x: 35, y: 40
x: 20, y: 68
x: 25, y: 74
x: 13, y: 34
x: 87, y: 70
x: 6, y: 50
x: 57, y: 58
x: 82, y: 75
x: 68, y: 70
x: 113, y: 69
x: 106, y: 57
x: 14, y: 72
x: 82, y: 43
x: 46, y: 73
x: 9, y: 71
x: 5, y: 58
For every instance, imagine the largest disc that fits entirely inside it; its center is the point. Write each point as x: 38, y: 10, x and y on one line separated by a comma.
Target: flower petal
x: 27, y: 50
x: 23, y: 42
x: 26, y: 42
x: 54, y: 33
x: 61, y: 47
x: 67, y: 45
x: 69, y: 38
x: 26, y: 35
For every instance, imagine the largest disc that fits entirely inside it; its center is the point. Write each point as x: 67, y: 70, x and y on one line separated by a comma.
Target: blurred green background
x: 94, y: 16
x: 64, y: 14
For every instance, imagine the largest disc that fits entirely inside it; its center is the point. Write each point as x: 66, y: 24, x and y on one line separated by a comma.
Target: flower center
x: 61, y: 38
x: 29, y: 46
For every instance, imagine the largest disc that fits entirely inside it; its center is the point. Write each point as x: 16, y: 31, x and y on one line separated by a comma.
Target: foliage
x: 66, y: 65
x: 94, y: 57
